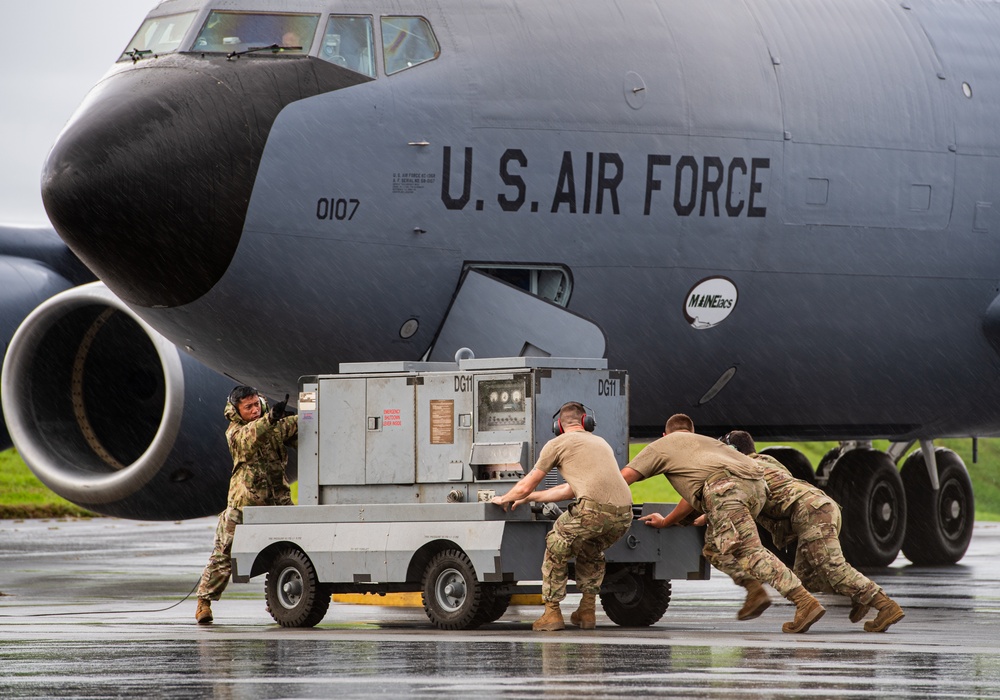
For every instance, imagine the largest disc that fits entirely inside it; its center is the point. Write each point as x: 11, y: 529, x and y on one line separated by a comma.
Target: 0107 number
x: 338, y: 209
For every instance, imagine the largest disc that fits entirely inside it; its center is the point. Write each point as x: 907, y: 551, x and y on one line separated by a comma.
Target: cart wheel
x: 498, y: 607
x: 453, y: 598
x: 641, y: 603
x: 295, y: 597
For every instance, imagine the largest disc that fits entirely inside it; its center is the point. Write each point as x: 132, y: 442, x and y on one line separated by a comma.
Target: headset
x: 588, y: 419
x: 232, y: 394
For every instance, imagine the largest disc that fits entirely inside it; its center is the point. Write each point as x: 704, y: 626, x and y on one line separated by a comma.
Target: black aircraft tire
x: 794, y: 461
x: 453, y: 598
x: 642, y: 605
x: 870, y: 492
x: 294, y: 595
x: 939, y: 524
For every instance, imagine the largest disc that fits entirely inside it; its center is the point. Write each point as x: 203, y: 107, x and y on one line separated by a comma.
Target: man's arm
x: 682, y: 510
x: 521, y: 489
x: 288, y: 429
x: 631, y: 475
x: 562, y: 492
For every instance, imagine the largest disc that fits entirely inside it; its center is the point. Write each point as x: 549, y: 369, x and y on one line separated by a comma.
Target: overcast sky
x: 53, y: 52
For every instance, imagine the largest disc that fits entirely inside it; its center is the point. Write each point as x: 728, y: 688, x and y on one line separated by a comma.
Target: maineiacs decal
x: 710, y: 302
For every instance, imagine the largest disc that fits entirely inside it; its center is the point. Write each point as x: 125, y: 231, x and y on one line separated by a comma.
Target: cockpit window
x: 158, y: 35
x: 246, y: 32
x: 348, y: 42
x: 407, y: 41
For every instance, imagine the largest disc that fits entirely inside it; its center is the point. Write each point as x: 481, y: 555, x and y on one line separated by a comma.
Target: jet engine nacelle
x: 34, y: 265
x: 110, y: 415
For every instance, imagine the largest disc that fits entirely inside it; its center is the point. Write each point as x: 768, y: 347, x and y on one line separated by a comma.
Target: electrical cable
x: 110, y: 612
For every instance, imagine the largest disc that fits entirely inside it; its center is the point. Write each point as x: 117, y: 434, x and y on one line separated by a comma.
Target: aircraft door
x: 496, y: 319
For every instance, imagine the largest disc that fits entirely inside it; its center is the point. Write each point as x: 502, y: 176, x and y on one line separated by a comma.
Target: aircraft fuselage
x: 780, y: 215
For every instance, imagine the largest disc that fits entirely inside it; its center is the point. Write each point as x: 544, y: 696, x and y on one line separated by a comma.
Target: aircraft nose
x: 150, y: 180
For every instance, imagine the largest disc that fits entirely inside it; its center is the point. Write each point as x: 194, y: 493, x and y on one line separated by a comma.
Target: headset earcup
x: 588, y: 423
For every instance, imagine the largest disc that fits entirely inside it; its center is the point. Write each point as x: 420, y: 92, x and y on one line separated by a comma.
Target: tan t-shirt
x: 588, y: 465
x: 688, y: 459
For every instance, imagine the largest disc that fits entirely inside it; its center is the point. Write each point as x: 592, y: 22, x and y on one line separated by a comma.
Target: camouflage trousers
x: 732, y: 543
x: 819, y: 559
x: 583, y: 532
x: 215, y: 578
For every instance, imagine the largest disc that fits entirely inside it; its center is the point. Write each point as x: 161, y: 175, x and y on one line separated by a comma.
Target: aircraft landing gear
x: 870, y: 492
x: 939, y: 523
x: 886, y: 510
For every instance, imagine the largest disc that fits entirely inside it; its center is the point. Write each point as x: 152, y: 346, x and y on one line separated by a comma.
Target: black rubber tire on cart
x: 294, y: 595
x: 498, y: 607
x: 453, y: 598
x: 641, y: 604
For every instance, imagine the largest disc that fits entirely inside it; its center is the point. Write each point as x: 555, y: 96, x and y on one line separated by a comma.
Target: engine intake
x: 110, y: 415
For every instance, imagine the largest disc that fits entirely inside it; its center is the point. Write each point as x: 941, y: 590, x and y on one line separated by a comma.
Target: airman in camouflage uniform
x: 798, y: 510
x: 729, y: 489
x: 601, y: 515
x: 258, y: 440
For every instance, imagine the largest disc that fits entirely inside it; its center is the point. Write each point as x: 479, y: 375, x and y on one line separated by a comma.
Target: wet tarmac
x: 89, y: 609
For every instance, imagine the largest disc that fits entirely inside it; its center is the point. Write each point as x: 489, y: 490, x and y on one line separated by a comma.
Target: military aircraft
x: 776, y: 215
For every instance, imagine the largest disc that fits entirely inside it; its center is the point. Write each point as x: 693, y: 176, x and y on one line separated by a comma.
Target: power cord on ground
x: 110, y: 612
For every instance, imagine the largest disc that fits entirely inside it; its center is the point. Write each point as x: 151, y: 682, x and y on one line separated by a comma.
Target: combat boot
x: 889, y: 613
x: 807, y: 611
x: 757, y: 600
x: 204, y: 612
x: 585, y: 617
x: 858, y: 610
x: 551, y: 621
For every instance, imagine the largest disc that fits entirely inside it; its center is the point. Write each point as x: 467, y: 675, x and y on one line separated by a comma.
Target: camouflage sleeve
x: 250, y: 433
x: 259, y: 428
x: 770, y: 461
x: 288, y: 428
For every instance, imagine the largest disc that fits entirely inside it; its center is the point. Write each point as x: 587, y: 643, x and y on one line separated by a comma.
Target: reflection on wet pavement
x: 132, y: 643
x: 248, y: 668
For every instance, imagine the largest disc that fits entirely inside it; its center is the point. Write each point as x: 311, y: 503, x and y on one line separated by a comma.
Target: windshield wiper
x: 136, y: 54
x: 273, y: 48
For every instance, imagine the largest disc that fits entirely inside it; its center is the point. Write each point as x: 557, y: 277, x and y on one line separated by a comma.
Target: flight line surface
x: 88, y: 609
